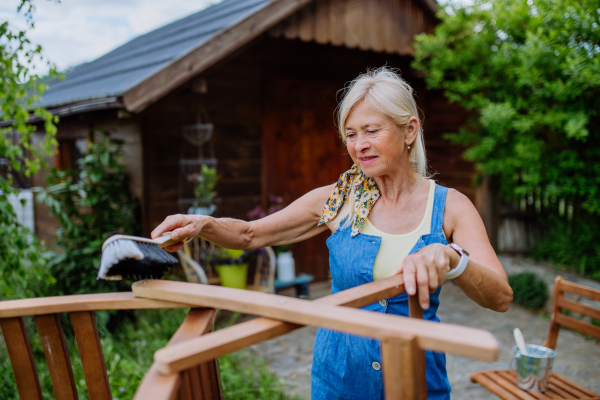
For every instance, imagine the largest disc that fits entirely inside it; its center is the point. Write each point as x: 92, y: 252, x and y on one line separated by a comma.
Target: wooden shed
x: 266, y: 74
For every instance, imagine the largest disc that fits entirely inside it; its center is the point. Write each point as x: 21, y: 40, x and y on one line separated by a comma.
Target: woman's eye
x: 371, y: 132
x: 350, y: 135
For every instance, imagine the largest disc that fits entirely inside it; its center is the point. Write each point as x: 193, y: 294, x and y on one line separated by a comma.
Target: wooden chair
x: 186, y: 368
x: 197, y: 383
x: 403, y: 340
x: 503, y: 382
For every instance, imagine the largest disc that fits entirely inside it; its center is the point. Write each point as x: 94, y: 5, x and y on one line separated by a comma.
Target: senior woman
x: 386, y: 217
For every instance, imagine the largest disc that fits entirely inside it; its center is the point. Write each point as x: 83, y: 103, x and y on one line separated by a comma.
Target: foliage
x: 91, y: 204
x: 528, y: 290
x: 574, y: 244
x: 22, y: 270
x: 529, y: 70
x: 247, y: 377
x: 204, y: 189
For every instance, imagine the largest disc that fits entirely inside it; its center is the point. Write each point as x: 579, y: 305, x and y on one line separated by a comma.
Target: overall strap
x: 437, y: 215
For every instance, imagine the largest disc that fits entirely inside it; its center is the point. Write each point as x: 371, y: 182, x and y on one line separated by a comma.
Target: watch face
x: 459, y: 249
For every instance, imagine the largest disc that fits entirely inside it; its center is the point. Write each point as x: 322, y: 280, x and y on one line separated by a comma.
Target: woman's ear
x: 412, y: 130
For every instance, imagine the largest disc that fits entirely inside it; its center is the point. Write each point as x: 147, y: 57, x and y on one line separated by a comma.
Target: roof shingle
x: 115, y: 72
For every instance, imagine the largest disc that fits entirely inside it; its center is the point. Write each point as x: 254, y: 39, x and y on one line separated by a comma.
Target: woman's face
x: 373, y: 141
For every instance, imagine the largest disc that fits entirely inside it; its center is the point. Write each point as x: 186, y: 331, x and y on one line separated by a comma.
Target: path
x: 578, y: 358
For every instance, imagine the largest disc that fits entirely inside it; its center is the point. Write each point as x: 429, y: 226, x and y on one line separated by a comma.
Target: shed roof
x: 122, y: 68
x: 146, y: 68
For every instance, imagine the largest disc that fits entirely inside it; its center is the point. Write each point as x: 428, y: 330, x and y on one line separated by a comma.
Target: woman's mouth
x: 367, y: 160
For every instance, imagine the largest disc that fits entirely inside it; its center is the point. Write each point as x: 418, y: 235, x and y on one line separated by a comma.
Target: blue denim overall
x: 343, y: 364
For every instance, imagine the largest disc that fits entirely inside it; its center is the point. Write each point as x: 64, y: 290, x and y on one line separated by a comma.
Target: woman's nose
x: 361, y: 143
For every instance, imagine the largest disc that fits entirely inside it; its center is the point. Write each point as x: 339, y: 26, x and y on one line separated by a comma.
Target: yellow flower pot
x: 233, y: 276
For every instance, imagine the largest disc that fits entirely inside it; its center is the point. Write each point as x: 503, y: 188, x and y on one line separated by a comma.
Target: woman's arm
x: 295, y: 223
x: 483, y: 281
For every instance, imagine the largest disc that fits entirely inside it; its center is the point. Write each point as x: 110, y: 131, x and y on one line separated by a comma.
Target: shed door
x: 301, y: 151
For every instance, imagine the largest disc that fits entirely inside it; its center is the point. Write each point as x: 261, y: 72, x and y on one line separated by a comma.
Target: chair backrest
x: 560, y: 303
x: 80, y: 308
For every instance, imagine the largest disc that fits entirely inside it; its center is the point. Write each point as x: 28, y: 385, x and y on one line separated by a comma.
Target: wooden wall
x: 232, y: 102
x: 379, y: 25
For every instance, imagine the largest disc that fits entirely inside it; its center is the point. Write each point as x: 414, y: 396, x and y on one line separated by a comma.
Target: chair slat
x: 580, y: 290
x: 482, y: 377
x: 57, y: 356
x: 90, y: 351
x: 511, y: 377
x: 579, y: 308
x: 21, y: 358
x: 574, y: 385
x: 578, y: 325
x: 508, y: 382
x: 575, y: 392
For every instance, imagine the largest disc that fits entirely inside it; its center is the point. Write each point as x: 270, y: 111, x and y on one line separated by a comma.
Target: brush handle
x: 163, y: 241
x: 520, y: 341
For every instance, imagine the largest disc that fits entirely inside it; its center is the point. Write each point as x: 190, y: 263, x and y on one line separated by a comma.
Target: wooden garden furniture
x: 503, y: 382
x: 186, y: 369
x: 46, y: 312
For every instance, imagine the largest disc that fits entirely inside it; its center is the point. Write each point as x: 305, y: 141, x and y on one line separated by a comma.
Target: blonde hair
x: 385, y: 91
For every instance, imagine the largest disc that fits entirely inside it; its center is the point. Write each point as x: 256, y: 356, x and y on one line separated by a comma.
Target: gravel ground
x: 290, y: 356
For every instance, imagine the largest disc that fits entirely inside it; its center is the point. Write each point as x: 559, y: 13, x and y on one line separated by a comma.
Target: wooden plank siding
x: 378, y: 25
x: 232, y: 102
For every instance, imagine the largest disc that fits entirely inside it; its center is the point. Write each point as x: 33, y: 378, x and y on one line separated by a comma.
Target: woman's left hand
x: 425, y: 270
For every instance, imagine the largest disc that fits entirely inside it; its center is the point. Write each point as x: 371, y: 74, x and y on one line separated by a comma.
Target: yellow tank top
x: 394, y: 248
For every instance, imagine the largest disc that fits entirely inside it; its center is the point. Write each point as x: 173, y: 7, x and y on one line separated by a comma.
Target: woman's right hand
x: 181, y: 226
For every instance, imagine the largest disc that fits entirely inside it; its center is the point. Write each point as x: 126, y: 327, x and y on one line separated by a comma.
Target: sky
x: 76, y: 31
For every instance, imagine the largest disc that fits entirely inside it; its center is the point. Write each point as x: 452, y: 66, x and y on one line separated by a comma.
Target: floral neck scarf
x: 365, y: 194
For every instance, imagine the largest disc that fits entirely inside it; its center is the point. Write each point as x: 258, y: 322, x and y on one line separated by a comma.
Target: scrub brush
x: 133, y: 257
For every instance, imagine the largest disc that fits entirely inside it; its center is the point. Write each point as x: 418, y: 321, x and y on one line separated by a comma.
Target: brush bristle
x: 134, y: 260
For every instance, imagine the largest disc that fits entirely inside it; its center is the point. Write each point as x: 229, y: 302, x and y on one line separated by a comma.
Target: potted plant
x: 231, y: 265
x: 204, y: 191
x: 286, y: 270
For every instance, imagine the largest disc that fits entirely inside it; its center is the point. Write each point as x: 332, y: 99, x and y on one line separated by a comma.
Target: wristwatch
x: 462, y: 264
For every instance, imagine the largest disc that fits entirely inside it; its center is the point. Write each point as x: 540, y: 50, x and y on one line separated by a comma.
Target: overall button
x: 376, y: 366
x: 383, y: 302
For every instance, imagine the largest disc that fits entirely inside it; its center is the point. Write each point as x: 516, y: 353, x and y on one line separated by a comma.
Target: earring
x: 409, y: 147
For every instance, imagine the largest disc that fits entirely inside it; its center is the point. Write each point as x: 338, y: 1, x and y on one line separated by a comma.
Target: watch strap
x: 462, y: 264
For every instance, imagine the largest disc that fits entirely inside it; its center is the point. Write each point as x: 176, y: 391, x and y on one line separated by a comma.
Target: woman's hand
x: 181, y: 227
x: 425, y: 270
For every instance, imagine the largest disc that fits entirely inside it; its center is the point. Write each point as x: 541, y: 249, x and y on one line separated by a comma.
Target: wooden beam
x: 430, y: 335
x: 216, y: 344
x: 223, y: 43
x: 83, y: 302
x: 401, y: 373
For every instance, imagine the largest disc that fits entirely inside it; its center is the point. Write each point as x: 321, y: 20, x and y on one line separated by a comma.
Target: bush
x: 528, y: 72
x: 91, y: 204
x: 528, y: 290
x: 574, y: 245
